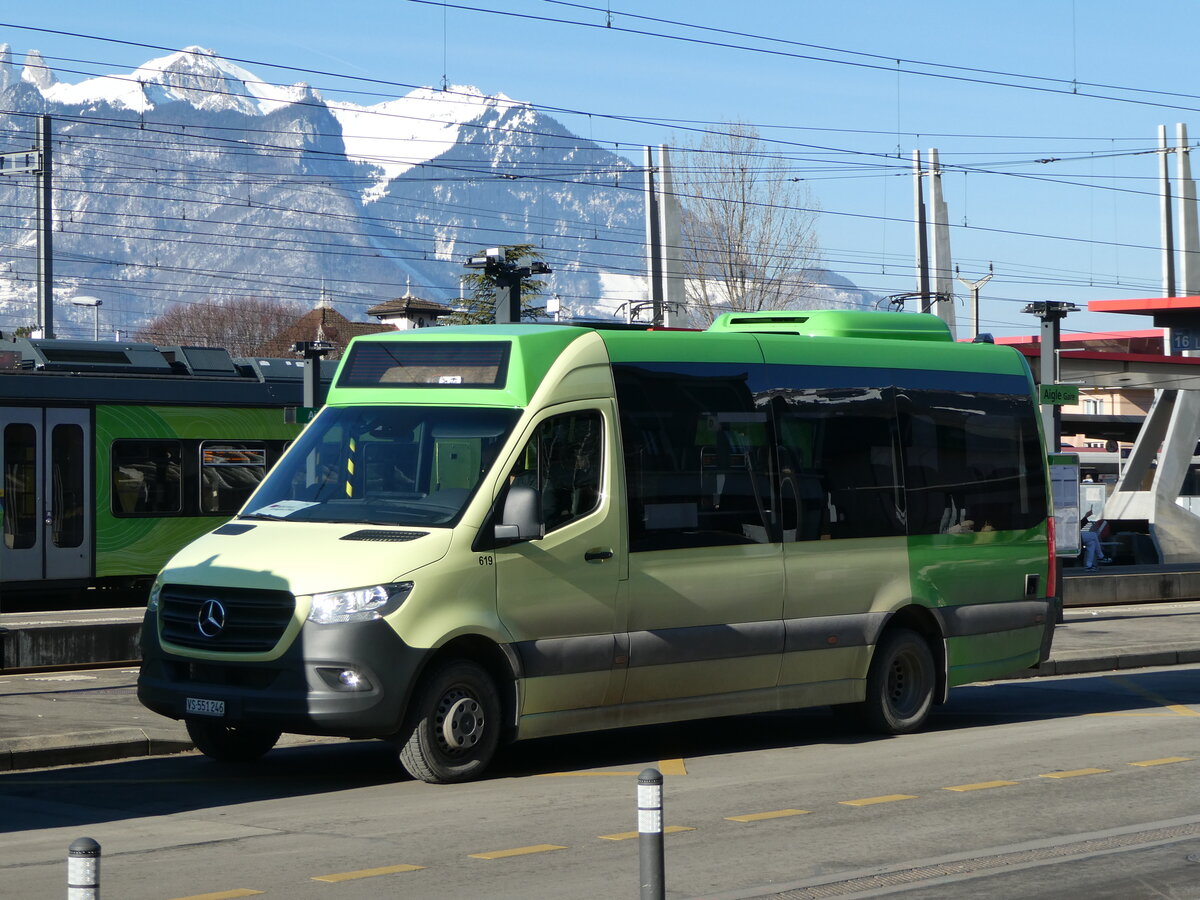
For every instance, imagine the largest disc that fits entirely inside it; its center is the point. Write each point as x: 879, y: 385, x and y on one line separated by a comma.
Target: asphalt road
x: 1072, y: 786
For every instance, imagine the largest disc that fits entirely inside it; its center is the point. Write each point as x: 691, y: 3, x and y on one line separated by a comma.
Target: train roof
x: 78, y: 371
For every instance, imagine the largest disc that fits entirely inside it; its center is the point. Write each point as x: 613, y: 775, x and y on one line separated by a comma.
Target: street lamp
x: 95, y: 303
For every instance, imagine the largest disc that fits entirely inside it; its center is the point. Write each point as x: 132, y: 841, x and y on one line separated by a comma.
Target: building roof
x: 323, y: 323
x: 408, y: 304
x: 1148, y: 340
x: 1169, y: 312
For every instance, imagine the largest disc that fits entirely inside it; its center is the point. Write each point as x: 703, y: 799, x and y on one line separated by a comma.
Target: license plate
x: 197, y: 707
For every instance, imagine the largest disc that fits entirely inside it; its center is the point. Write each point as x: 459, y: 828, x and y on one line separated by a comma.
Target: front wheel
x: 230, y: 743
x: 455, y: 724
x: 900, y: 684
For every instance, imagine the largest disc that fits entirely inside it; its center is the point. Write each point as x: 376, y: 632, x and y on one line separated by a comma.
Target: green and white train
x: 116, y: 455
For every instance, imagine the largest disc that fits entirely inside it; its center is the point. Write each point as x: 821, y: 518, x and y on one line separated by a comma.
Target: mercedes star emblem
x: 211, y: 619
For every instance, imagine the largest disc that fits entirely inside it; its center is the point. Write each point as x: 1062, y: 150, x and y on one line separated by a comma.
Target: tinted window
x: 20, y: 487
x: 563, y: 461
x: 67, y: 502
x: 973, y: 462
x: 838, y: 464
x: 697, y: 456
x: 438, y: 364
x: 229, y: 473
x: 146, y: 478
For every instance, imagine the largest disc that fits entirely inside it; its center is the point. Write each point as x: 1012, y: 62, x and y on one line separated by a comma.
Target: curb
x: 78, y: 747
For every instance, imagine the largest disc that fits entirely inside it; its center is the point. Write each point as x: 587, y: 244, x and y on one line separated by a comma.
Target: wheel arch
x: 929, y: 625
x: 499, y: 661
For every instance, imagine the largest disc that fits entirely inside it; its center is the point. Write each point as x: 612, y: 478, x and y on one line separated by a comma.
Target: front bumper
x: 299, y: 692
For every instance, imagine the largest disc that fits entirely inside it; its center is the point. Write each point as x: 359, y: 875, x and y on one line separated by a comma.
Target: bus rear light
x: 1052, y: 562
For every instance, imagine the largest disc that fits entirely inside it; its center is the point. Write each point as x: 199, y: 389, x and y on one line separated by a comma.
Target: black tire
x: 455, y: 724
x: 230, y: 743
x: 900, y: 684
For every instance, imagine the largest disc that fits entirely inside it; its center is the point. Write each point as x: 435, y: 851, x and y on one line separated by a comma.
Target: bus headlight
x: 154, y: 602
x: 358, y: 604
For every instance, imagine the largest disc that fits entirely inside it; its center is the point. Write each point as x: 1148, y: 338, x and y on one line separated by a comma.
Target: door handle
x: 597, y: 555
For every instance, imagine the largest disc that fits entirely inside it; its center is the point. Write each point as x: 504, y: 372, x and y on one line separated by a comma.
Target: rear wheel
x: 455, y: 724
x: 900, y: 684
x: 230, y: 743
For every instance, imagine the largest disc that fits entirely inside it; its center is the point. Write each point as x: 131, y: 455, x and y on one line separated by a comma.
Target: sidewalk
x: 72, y: 717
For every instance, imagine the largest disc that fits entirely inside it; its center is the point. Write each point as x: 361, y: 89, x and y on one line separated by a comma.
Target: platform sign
x: 1059, y: 394
x: 300, y: 415
x: 1184, y: 339
x: 1064, y: 487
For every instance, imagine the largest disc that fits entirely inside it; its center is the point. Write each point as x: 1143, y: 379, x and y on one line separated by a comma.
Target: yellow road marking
x: 1074, y: 772
x: 981, y: 786
x: 1162, y: 762
x: 223, y: 895
x: 774, y: 814
x: 672, y: 767
x: 516, y: 851
x: 665, y: 767
x: 366, y: 873
x: 871, y: 801
x: 629, y: 835
x: 1177, y: 708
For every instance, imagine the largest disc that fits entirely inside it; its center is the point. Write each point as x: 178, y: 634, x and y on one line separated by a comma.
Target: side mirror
x: 521, y: 517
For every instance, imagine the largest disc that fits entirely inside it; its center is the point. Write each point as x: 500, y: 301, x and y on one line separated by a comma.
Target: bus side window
x: 839, y: 464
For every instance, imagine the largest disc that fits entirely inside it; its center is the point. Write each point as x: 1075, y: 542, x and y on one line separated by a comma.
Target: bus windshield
x: 384, y: 465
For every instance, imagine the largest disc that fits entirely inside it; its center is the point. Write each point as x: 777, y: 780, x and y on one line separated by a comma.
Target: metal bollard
x: 650, y: 834
x: 83, y: 870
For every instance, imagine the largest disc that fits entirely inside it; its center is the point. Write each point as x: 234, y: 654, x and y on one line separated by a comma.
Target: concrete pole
x: 943, y: 289
x: 672, y: 239
x: 1189, y: 237
x: 922, y: 247
x: 1168, y: 226
x: 45, y: 244
x: 653, y: 243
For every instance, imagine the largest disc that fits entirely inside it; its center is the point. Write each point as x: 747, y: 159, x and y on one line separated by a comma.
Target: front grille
x: 253, y: 621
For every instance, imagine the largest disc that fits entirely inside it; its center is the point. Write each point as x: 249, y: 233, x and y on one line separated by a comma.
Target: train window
x: 20, y: 487
x: 229, y: 473
x: 66, y: 471
x: 146, y: 478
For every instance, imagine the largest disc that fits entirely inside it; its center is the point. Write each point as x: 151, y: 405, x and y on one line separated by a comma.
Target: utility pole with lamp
x: 38, y: 162
x: 507, y: 276
x: 312, y: 351
x: 1052, y: 312
x: 95, y: 303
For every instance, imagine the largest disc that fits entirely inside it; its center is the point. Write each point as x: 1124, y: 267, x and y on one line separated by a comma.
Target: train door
x: 47, y: 532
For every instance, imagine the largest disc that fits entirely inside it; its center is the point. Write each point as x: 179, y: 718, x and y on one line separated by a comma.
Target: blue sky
x: 1082, y: 227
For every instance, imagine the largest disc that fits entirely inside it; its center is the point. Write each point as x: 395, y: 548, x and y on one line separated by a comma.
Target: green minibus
x: 495, y: 533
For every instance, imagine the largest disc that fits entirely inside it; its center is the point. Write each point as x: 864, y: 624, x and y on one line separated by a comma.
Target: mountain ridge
x: 190, y: 179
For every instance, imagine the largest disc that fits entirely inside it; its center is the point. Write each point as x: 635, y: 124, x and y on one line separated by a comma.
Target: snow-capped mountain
x: 191, y: 178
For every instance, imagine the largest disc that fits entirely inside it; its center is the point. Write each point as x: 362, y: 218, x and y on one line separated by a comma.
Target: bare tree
x: 748, y: 228
x: 245, y: 326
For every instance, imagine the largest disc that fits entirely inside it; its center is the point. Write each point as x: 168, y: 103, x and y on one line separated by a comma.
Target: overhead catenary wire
x: 293, y: 150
